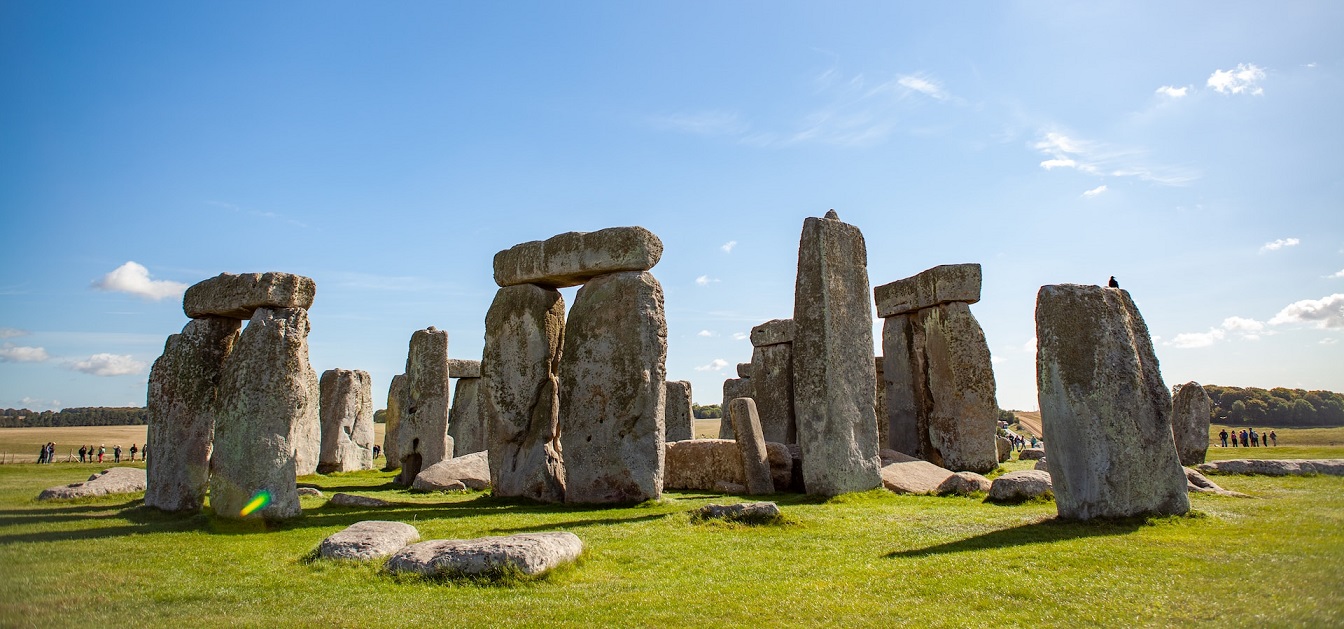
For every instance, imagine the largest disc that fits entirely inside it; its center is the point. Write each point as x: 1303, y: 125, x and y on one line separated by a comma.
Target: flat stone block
x: 772, y: 332
x: 940, y: 285
x: 528, y: 553
x: 238, y: 296
x: 573, y: 258
x: 464, y: 368
x: 370, y: 539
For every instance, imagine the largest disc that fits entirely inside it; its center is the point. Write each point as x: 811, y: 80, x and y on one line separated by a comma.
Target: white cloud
x: 1244, y: 78
x: 11, y: 353
x: 1246, y: 329
x: 1329, y: 340
x: 1190, y: 340
x: 1173, y: 92
x: 705, y: 333
x: 705, y: 280
x: 1051, y: 164
x: 1095, y: 158
x: 1095, y: 191
x: 739, y: 336
x: 108, y: 365
x: 1338, y: 275
x: 133, y: 278
x: 997, y: 360
x: 1241, y: 324
x: 922, y: 85
x: 1030, y: 346
x: 36, y: 404
x: 9, y: 333
x: 718, y: 364
x: 1326, y: 312
x: 1279, y: 244
x: 727, y: 247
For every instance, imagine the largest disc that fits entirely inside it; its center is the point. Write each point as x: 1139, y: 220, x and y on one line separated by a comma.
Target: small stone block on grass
x: 743, y: 512
x: 529, y: 554
x: 370, y: 539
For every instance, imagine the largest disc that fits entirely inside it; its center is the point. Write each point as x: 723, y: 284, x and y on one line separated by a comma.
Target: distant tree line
x: 1275, y: 407
x: 709, y: 411
x: 75, y: 416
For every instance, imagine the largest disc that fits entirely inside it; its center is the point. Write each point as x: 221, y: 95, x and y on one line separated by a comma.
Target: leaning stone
x: 182, y: 401
x: 1020, y: 486
x: 370, y: 539
x: 1105, y: 411
x: 965, y: 484
x: 1030, y: 454
x: 834, y: 382
x: 239, y: 296
x: 772, y: 332
x: 1276, y: 467
x: 466, y: 423
x: 963, y: 413
x: 472, y: 470
x: 907, y: 475
x: 744, y: 370
x: 573, y: 258
x: 396, y: 396
x: 1197, y: 483
x: 751, y: 445
x: 519, y: 392
x: 528, y: 553
x: 347, y: 421
x: 945, y: 284
x: 745, y: 513
x: 677, y: 414
x: 267, y: 430
x: 611, y: 390
x: 308, y: 492
x: 351, y: 500
x: 422, y: 433
x: 733, y: 388
x: 1190, y: 412
x: 117, y: 480
x: 703, y: 463
x: 772, y: 388
x: 464, y: 368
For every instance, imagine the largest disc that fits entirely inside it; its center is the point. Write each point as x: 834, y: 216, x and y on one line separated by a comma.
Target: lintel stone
x: 939, y: 285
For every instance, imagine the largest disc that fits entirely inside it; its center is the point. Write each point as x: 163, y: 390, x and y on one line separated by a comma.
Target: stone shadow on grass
x: 77, y: 511
x: 1043, y: 532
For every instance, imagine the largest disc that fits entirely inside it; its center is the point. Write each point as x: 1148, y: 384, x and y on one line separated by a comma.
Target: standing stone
x: 182, y: 389
x: 733, y: 388
x: 1104, y: 409
x: 1191, y: 409
x: 466, y: 425
x: 347, y: 421
x: 573, y: 258
x: 519, y: 395
x: 268, y: 416
x: 906, y: 433
x: 772, y: 379
x: 679, y: 416
x: 751, y: 445
x: 396, y: 395
x: 963, y: 415
x: 880, y: 403
x: 422, y: 434
x: 611, y: 390
x: 834, y: 383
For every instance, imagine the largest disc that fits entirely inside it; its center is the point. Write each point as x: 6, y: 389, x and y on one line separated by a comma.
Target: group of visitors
x: 1248, y: 438
x: 90, y: 454
x: 46, y: 453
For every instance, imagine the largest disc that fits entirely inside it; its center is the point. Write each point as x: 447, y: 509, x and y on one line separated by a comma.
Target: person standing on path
x: 116, y: 453
x: 102, y: 449
x: 133, y: 451
x: 1222, y: 436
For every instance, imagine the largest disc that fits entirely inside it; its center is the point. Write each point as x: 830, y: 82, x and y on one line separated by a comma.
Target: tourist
x: 1222, y: 436
x: 51, y: 452
x: 1255, y: 439
x: 144, y: 453
x: 116, y: 453
x: 1274, y: 437
x: 1245, y: 441
x: 82, y: 451
x: 376, y: 450
x: 102, y: 449
x: 42, y: 454
x: 133, y: 451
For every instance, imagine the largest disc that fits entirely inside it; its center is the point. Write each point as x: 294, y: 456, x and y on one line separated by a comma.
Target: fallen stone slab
x: 965, y: 484
x: 1028, y: 454
x: 904, y: 474
x: 573, y: 258
x: 1276, y: 467
x: 772, y: 332
x: 528, y: 553
x: 464, y: 368
x: 472, y: 470
x: 370, y: 539
x: 350, y: 500
x: 939, y: 285
x: 311, y: 492
x: 744, y: 512
x: 237, y: 296
x: 117, y: 480
x: 1020, y: 486
x: 1197, y: 483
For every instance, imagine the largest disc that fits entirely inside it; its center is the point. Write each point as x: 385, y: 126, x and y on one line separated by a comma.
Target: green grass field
x: 872, y: 559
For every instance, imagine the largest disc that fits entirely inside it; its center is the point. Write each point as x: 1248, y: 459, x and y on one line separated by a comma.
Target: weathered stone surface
x: 1005, y: 448
x: 464, y: 368
x: 1020, y: 485
x: 1028, y: 454
x: 880, y: 404
x: 1197, y: 483
x: 396, y: 397
x: 1190, y: 412
x: 964, y: 483
x: 772, y: 332
x: 472, y: 470
x: 611, y: 390
x: 528, y: 553
x: 573, y: 258
x: 905, y: 474
x: 905, y: 432
x: 833, y: 378
x: 677, y: 413
x: 744, y: 370
x: 702, y: 463
x: 422, y: 433
x: 370, y: 539
x: 182, y: 397
x: 772, y: 388
x: 1276, y: 467
x: 1041, y: 464
x: 728, y: 487
x: 466, y: 422
x: 751, y: 445
x: 351, y: 500
x: 519, y: 392
x: 239, y: 296
x: 310, y: 492
x: 733, y: 388
x: 948, y: 283
x: 743, y: 512
x: 1105, y: 411
x: 117, y: 480
x: 346, y: 411
x: 962, y: 409
x: 267, y: 431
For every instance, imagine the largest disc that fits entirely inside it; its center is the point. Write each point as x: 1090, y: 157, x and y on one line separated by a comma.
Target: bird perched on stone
x: 1113, y: 283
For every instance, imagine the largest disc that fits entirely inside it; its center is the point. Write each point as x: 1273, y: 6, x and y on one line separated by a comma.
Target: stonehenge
x: 1191, y: 410
x: 679, y: 418
x: 396, y: 392
x: 940, y: 391
x: 772, y: 380
x: 1105, y: 411
x: 422, y: 429
x: 751, y: 445
x: 733, y: 388
x: 466, y: 424
x: 346, y: 411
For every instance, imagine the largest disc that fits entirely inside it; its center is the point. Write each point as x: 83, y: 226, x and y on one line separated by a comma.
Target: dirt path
x: 1031, y: 422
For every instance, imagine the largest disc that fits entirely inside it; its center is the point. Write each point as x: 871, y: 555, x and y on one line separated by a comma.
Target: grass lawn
x: 872, y: 559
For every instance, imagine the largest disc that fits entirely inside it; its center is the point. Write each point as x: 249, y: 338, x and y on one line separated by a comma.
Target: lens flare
x: 258, y: 502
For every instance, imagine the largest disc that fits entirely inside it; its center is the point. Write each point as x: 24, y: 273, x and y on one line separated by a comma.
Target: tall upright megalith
x: 396, y: 395
x: 422, y: 433
x: 182, y: 389
x: 1105, y: 411
x: 519, y: 395
x: 346, y: 412
x: 466, y: 425
x: 772, y: 380
x: 733, y: 388
x: 1191, y: 410
x: 833, y: 375
x: 679, y: 417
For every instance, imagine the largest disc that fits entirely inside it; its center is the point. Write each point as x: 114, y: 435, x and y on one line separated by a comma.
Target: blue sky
x: 1191, y: 149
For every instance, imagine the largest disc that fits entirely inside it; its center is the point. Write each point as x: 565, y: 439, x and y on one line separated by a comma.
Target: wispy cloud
x: 1030, y: 346
x: 705, y: 280
x: 9, y: 333
x: 718, y: 364
x: 708, y: 123
x: 11, y: 353
x: 740, y: 336
x: 133, y: 279
x: 1095, y: 158
x: 1243, y: 79
x: 704, y: 333
x: 1326, y: 312
x: 1192, y: 340
x: 727, y: 247
x: 108, y: 365
x: 1338, y: 275
x: 36, y: 404
x: 1242, y: 327
x: 1173, y: 92
x: 923, y: 85
x: 1095, y: 191
x: 1279, y: 244
x: 1329, y: 340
